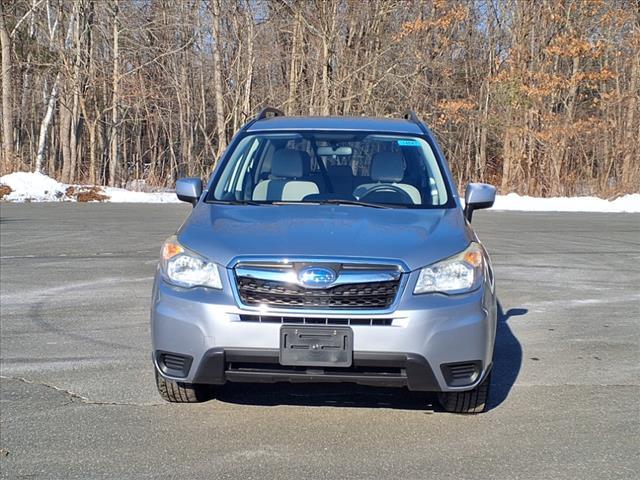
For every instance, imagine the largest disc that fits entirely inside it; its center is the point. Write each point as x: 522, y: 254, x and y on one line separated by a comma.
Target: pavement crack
x: 76, y: 397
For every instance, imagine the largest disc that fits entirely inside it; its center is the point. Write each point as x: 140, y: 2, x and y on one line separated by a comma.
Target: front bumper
x: 413, y: 348
x: 381, y: 369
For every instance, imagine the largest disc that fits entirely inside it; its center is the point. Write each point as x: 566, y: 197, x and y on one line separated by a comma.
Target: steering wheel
x: 385, y: 187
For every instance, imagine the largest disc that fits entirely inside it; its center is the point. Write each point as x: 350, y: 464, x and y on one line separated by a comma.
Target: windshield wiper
x: 339, y: 201
x: 236, y: 202
x: 330, y: 201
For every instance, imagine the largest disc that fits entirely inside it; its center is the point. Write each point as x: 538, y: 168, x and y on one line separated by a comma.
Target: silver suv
x: 327, y: 249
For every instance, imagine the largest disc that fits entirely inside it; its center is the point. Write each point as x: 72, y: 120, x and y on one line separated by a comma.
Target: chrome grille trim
x: 345, y: 276
x: 348, y: 267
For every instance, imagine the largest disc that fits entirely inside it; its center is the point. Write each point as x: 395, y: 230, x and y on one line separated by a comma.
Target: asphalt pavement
x: 78, y: 399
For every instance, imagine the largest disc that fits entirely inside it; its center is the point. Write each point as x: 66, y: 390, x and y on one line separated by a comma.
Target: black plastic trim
x: 405, y: 369
x: 411, y: 116
x: 192, y: 200
x: 211, y: 369
x: 267, y: 110
x: 188, y: 360
x: 469, y: 208
x: 449, y: 377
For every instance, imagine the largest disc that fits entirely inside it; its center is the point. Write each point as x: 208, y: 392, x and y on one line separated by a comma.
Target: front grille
x: 316, y: 321
x: 374, y: 295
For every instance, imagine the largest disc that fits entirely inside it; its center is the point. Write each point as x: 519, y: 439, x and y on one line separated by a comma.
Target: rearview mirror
x: 189, y: 190
x: 330, y: 151
x: 478, y: 196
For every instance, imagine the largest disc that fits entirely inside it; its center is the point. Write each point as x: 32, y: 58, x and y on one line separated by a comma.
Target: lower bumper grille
x: 174, y: 364
x: 369, y: 368
x: 316, y: 321
x: 461, y: 374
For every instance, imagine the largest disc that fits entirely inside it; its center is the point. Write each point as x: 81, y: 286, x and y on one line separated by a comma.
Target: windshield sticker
x: 409, y: 143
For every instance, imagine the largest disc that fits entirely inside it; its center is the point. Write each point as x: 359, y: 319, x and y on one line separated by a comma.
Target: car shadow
x: 343, y: 395
x: 507, y: 357
x: 506, y: 367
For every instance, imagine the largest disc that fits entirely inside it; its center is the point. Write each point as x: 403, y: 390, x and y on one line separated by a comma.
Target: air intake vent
x: 174, y: 364
x: 317, y: 321
x: 461, y: 374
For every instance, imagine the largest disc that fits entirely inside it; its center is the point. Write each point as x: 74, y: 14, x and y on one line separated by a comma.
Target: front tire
x: 178, y: 392
x: 472, y: 401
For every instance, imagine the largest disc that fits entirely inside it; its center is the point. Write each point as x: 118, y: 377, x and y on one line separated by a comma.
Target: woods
x: 537, y: 97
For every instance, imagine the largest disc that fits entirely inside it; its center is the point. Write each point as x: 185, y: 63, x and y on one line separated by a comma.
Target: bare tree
x: 217, y: 77
x: 540, y: 97
x: 114, y: 137
x: 7, y: 95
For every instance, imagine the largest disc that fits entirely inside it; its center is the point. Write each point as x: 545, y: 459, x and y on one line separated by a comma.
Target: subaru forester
x: 327, y: 249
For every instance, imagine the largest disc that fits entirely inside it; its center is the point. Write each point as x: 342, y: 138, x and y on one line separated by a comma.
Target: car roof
x: 370, y: 124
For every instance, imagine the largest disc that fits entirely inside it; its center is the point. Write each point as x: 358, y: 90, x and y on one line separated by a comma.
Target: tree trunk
x: 293, y: 63
x: 248, y: 81
x: 208, y: 149
x: 630, y: 158
x: 22, y: 124
x: 560, y: 149
x: 217, y: 77
x: 92, y: 153
x: 7, y: 96
x: 327, y: 56
x: 44, y: 125
x: 482, y: 147
x: 65, y: 138
x: 74, y: 127
x: 325, y: 77
x: 115, y: 99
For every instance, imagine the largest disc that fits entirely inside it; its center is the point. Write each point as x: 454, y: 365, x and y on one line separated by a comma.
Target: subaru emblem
x: 316, y: 277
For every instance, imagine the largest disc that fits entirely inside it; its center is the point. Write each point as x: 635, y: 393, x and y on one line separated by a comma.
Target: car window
x: 394, y: 170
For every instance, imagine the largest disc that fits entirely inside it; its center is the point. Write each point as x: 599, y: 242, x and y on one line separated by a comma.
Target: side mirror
x: 189, y: 190
x: 478, y: 196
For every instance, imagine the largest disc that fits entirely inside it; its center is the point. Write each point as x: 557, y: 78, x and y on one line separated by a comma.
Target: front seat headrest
x: 387, y: 167
x: 287, y: 163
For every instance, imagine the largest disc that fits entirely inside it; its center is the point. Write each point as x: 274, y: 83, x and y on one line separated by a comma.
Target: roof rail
x: 411, y: 115
x: 266, y: 110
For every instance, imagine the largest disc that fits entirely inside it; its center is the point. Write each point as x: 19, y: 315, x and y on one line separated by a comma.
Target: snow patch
x: 120, y: 195
x: 513, y: 201
x: 36, y: 187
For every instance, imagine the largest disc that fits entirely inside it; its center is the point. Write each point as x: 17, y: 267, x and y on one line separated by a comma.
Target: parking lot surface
x: 78, y: 399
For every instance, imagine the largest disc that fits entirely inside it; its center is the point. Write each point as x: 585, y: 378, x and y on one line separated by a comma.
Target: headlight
x: 186, y: 269
x: 459, y: 274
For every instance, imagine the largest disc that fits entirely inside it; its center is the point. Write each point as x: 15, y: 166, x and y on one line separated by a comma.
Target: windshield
x: 316, y: 167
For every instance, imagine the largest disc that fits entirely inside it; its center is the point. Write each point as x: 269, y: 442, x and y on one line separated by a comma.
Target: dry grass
x: 86, y: 194
x: 4, y: 190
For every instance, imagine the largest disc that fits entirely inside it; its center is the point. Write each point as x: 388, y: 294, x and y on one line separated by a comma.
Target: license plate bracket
x: 316, y: 346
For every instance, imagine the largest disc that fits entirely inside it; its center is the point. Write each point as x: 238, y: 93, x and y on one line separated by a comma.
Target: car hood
x: 411, y: 237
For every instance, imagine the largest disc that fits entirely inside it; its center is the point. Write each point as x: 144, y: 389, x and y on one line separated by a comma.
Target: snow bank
x: 513, y: 201
x: 32, y: 186
x: 120, y: 195
x: 36, y: 187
